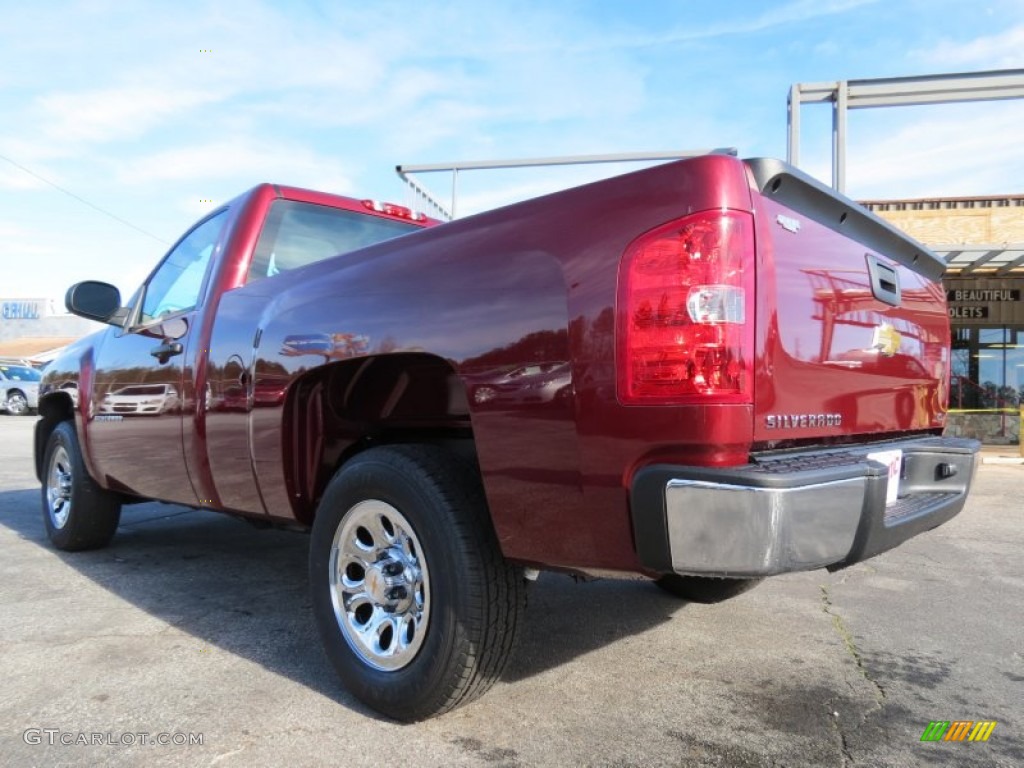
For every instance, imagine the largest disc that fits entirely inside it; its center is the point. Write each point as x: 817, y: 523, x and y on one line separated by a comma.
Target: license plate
x: 894, y: 461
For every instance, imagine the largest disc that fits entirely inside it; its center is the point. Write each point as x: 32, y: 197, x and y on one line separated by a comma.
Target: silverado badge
x: 802, y: 420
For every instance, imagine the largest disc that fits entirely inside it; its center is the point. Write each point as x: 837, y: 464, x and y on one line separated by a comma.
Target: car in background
x: 141, y: 400
x: 534, y: 383
x: 19, y: 388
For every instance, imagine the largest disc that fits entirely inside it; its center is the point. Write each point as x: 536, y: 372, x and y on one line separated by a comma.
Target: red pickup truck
x: 704, y: 373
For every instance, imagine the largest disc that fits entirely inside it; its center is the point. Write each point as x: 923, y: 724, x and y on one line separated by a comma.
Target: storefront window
x: 988, y: 367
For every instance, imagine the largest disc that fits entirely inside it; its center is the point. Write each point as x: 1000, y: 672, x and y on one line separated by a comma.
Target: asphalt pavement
x: 193, y: 627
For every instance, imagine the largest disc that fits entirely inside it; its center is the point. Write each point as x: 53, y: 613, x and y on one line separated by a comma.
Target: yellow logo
x: 886, y: 340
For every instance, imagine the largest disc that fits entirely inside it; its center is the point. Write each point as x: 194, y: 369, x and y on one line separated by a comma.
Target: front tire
x: 17, y: 403
x: 77, y: 513
x: 705, y: 589
x: 417, y: 609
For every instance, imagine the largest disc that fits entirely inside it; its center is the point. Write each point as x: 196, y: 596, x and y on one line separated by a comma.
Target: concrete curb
x: 1002, y: 460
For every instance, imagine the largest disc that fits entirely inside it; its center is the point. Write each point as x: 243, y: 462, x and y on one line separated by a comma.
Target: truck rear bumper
x: 794, y: 511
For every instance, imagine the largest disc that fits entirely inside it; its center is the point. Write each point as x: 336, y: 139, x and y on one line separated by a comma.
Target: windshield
x: 19, y: 373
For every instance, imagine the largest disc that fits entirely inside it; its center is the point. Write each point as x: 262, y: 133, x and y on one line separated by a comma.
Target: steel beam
x: 1016, y: 262
x: 927, y: 89
x: 992, y: 85
x: 793, y: 124
x: 839, y: 137
x: 981, y: 261
x: 626, y: 157
x: 982, y: 255
x: 455, y: 167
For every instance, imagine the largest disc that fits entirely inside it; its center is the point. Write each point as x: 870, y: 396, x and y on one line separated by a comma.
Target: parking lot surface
x: 194, y: 623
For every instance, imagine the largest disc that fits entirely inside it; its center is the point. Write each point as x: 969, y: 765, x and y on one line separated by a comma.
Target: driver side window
x: 176, y: 284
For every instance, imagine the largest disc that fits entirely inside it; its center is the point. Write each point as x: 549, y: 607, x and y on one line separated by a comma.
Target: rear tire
x: 705, y: 589
x: 77, y: 513
x: 417, y: 609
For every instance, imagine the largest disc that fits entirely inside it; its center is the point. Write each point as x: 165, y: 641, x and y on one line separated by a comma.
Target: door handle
x: 166, y: 351
x: 885, y: 281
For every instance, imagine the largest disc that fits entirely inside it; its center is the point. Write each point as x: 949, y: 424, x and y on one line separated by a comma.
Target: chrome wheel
x: 58, y: 487
x: 380, y: 586
x: 485, y: 395
x: 415, y: 604
x: 17, y: 404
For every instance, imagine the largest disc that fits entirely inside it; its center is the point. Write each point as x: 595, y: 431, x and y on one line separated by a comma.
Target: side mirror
x: 95, y: 301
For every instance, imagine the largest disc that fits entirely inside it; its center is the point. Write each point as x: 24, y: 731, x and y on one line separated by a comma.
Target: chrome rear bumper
x: 796, y: 511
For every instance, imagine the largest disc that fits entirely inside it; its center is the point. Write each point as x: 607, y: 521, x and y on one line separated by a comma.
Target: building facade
x: 982, y: 242
x: 34, y: 328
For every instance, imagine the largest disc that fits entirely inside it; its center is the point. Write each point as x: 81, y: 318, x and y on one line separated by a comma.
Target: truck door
x: 138, y: 396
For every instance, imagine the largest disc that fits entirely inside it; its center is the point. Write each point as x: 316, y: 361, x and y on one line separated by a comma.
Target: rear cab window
x: 296, y: 234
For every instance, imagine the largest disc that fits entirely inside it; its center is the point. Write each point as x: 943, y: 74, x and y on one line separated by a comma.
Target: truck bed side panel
x: 532, y: 284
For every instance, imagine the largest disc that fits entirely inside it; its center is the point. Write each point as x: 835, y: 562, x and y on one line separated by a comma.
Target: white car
x: 141, y: 400
x: 19, y: 388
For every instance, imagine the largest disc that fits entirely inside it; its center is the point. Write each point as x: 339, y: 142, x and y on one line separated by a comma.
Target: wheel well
x: 336, y: 411
x: 53, y: 409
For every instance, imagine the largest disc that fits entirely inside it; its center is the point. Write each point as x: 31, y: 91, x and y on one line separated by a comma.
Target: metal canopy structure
x: 997, y: 260
x: 845, y: 95
x: 975, y: 251
x: 431, y: 202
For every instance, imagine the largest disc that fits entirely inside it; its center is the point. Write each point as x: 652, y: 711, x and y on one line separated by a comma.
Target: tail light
x: 685, y: 312
x: 394, y: 210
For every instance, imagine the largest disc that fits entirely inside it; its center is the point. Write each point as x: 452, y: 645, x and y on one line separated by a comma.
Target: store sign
x: 23, y: 309
x: 985, y: 301
x: 984, y: 295
x: 968, y: 313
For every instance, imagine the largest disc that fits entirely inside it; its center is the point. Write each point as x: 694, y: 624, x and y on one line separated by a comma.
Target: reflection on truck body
x: 141, y: 400
x: 537, y: 383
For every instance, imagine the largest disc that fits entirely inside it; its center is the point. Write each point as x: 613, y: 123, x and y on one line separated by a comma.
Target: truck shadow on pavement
x: 245, y: 591
x: 239, y: 590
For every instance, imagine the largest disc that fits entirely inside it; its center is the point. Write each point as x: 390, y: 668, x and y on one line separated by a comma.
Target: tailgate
x: 852, y: 331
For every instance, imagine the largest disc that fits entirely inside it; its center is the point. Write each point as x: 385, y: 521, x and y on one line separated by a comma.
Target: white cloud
x: 968, y: 149
x: 518, y: 184
x: 19, y: 240
x: 116, y: 102
x: 44, y: 261
x: 16, y: 179
x: 790, y: 13
x: 1002, y: 50
x: 24, y: 160
x: 196, y: 208
x: 469, y: 204
x: 253, y: 160
x: 113, y: 113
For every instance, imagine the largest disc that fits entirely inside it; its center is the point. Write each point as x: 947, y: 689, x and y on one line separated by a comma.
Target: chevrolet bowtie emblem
x: 886, y: 340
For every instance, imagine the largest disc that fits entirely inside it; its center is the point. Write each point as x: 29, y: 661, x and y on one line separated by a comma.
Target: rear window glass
x: 296, y: 234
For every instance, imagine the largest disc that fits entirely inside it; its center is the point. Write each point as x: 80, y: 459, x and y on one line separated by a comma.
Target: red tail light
x: 685, y: 312
x: 394, y: 210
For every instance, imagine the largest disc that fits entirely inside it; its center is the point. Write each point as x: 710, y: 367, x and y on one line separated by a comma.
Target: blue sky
x: 120, y: 104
